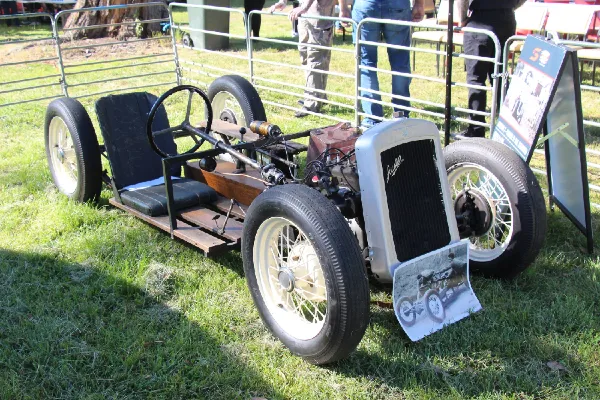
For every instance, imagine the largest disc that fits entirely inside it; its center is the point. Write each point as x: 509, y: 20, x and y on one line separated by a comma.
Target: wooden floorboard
x: 193, y: 235
x: 203, y: 217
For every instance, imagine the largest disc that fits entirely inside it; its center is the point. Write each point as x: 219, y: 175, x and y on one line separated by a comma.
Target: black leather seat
x: 122, y: 121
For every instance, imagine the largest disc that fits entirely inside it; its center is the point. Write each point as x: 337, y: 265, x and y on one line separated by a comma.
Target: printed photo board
x: 544, y: 98
x: 434, y: 290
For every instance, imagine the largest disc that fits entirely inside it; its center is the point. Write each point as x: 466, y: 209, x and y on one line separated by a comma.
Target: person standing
x: 495, y: 16
x: 318, y: 32
x: 399, y: 59
x: 251, y: 5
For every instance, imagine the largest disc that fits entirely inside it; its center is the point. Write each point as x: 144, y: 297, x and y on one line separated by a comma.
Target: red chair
x: 588, y: 2
x: 557, y: 1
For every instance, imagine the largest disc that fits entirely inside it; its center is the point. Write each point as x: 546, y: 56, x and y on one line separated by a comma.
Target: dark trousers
x: 502, y: 23
x: 8, y: 8
x: 250, y: 5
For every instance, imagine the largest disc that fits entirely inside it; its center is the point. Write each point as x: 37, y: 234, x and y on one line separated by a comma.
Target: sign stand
x: 544, y: 96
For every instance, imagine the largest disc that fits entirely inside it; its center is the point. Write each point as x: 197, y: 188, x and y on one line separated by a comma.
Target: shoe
x: 301, y: 113
x: 294, y: 34
x: 301, y: 102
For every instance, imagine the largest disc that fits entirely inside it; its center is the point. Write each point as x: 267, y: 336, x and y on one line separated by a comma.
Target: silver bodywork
x: 369, y: 146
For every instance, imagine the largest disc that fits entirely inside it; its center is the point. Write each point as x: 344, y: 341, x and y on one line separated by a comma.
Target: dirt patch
x: 120, y: 49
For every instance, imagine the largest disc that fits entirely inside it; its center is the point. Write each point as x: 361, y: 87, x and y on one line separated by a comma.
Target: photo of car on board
x: 433, y: 291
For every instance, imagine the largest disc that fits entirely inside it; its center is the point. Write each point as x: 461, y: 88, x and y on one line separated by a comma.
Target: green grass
x: 96, y: 304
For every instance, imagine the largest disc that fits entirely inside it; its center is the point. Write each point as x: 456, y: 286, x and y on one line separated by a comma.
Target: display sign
x: 529, y: 95
x: 434, y: 290
x: 544, y: 96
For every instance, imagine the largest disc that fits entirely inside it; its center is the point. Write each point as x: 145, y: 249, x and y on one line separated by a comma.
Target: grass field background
x: 97, y: 304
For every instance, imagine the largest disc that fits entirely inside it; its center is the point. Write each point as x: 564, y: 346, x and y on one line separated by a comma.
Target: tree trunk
x: 82, y: 19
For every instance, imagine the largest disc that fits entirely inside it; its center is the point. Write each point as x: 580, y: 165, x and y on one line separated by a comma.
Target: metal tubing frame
x: 250, y: 39
x: 54, y: 42
x: 496, y: 61
x: 64, y: 13
x: 174, y: 26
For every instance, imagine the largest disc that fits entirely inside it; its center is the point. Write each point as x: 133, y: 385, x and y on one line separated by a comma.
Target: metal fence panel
x: 26, y: 88
x: 131, y: 72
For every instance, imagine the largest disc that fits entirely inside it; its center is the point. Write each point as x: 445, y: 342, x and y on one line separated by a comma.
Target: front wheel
x: 306, y: 273
x: 72, y: 150
x: 434, y: 306
x: 510, y: 211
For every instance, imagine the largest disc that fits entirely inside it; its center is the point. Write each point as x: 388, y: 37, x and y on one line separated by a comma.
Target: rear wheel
x: 510, y: 205
x: 72, y: 150
x: 305, y: 273
x: 234, y: 100
x: 405, y: 310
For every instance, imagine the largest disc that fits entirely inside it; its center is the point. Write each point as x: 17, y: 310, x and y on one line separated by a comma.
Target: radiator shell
x: 415, y: 145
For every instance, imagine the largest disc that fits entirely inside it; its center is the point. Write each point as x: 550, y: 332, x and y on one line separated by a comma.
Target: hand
x: 296, y: 13
x: 418, y: 12
x: 277, y: 7
x: 345, y: 13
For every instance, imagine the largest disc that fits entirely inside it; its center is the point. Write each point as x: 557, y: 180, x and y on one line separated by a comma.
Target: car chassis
x: 308, y: 244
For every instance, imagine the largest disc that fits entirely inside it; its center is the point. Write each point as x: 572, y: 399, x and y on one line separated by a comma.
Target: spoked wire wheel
x: 510, y: 225
x: 477, y: 179
x: 290, y: 278
x: 305, y: 272
x: 62, y: 156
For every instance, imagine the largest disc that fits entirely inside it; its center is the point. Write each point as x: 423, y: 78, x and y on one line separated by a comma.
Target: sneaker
x: 301, y: 113
x: 301, y: 102
x: 294, y: 34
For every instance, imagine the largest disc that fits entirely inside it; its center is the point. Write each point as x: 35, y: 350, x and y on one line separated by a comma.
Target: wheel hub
x: 304, y: 262
x: 477, y: 209
x: 286, y: 280
x: 228, y: 116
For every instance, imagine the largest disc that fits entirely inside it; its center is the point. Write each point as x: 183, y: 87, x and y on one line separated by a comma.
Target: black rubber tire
x: 245, y: 94
x: 525, y: 196
x: 85, y: 143
x: 430, y: 293
x: 406, y: 322
x: 343, y: 267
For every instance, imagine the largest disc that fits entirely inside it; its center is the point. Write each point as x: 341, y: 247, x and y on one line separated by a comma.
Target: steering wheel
x: 183, y: 129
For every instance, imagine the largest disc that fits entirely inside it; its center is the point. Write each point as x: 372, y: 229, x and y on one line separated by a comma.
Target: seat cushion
x: 152, y: 201
x: 122, y: 119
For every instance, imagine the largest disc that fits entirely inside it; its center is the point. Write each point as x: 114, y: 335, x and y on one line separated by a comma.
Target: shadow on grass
x: 541, y: 316
x: 70, y: 330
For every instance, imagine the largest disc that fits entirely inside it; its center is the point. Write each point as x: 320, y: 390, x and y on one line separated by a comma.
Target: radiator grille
x: 414, y: 196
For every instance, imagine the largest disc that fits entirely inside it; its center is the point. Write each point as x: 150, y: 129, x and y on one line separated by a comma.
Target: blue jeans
x: 399, y: 59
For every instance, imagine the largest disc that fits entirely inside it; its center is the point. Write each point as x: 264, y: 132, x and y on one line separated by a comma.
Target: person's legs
x: 317, y: 59
x: 477, y: 73
x: 251, y: 5
x: 368, y: 58
x: 6, y: 11
x: 399, y: 59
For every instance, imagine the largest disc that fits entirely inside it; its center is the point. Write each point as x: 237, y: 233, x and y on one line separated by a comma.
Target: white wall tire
x: 515, y: 198
x: 293, y: 233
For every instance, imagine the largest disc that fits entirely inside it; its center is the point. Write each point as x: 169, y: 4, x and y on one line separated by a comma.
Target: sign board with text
x: 544, y: 100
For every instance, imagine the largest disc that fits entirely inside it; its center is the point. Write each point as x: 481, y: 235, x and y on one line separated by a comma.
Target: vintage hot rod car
x: 362, y: 204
